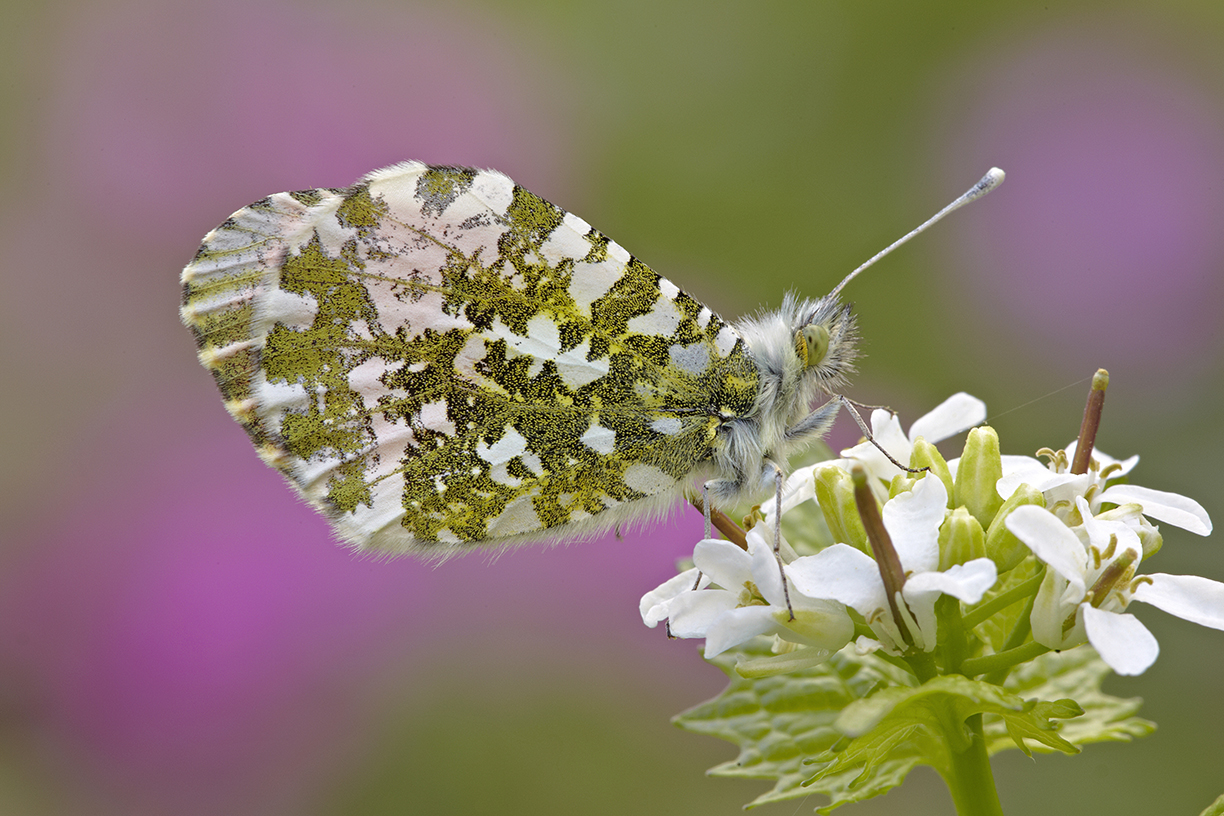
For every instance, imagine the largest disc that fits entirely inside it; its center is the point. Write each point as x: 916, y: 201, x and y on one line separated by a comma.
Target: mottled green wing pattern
x: 436, y: 358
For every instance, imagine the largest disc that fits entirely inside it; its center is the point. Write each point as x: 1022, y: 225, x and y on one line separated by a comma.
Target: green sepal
x: 1002, y: 546
x: 981, y: 467
x: 927, y: 455
x: 835, y: 495
x: 961, y: 539
x: 901, y: 483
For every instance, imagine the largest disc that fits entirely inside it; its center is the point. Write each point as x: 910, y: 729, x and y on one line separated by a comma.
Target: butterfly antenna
x: 989, y: 181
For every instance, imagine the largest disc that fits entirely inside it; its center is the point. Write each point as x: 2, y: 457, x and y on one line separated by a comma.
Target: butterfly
x: 439, y: 360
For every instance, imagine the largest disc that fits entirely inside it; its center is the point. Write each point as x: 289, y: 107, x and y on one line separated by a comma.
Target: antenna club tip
x: 993, y: 178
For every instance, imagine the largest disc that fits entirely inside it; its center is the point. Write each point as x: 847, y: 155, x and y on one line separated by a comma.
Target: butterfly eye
x: 812, y: 344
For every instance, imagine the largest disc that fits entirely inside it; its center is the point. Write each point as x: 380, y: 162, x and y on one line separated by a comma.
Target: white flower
x: 748, y: 601
x: 1062, y: 488
x: 798, y: 488
x: 654, y: 603
x: 846, y: 574
x: 1090, y: 583
x: 957, y: 413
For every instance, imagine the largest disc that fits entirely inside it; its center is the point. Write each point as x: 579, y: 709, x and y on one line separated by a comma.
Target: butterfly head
x: 825, y: 340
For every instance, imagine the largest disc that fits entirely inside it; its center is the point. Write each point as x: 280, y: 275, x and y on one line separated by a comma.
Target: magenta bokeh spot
x: 1104, y: 244
x: 159, y: 106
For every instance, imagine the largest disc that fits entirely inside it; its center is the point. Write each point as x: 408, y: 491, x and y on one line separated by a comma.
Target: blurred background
x: 178, y: 634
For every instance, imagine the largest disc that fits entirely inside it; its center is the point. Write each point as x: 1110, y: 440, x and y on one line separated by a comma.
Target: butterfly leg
x: 705, y: 511
x: 817, y: 423
x: 871, y: 438
x: 779, y: 478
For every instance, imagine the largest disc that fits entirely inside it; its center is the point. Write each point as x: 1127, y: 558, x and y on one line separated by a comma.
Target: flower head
x: 1092, y: 580
x: 955, y: 414
x: 741, y: 596
x: 1062, y: 488
x: 850, y: 576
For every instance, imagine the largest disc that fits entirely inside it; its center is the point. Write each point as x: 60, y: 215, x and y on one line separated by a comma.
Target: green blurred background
x: 178, y: 634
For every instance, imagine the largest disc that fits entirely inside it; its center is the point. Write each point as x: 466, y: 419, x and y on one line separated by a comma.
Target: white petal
x: 968, y: 582
x: 864, y: 645
x: 736, y: 626
x: 1123, y: 642
x: 1051, y: 608
x: 840, y: 573
x: 964, y: 581
x: 1100, y: 531
x: 1178, y: 510
x: 957, y: 413
x: 799, y: 487
x: 1018, y: 470
x: 725, y: 563
x: 1051, y: 540
x: 766, y: 574
x: 692, y: 613
x: 1056, y: 486
x: 761, y: 537
x: 1104, y: 459
x: 1189, y: 597
x: 912, y: 520
x: 920, y: 606
x: 886, y: 430
x: 653, y: 604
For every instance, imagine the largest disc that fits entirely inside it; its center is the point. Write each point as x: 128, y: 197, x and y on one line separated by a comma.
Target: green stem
x: 1026, y: 589
x: 975, y: 666
x: 1024, y: 626
x: 952, y: 643
x: 969, y: 778
x: 923, y: 665
x: 864, y: 629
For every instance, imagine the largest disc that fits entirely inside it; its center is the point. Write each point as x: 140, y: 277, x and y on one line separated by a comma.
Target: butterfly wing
x: 436, y: 357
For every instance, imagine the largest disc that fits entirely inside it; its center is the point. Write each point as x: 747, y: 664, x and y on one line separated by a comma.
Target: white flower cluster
x: 1092, y: 554
x: 1094, y: 557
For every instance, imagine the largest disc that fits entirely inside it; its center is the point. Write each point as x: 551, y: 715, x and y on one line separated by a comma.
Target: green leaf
x: 1076, y: 674
x: 853, y: 727
x: 1216, y: 808
x: 779, y: 722
x: 929, y: 721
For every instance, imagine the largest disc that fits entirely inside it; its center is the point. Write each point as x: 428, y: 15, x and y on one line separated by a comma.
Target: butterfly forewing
x: 437, y: 357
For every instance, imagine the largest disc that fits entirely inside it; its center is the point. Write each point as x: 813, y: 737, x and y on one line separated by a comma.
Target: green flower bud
x: 961, y: 539
x: 1002, y: 546
x: 901, y: 483
x: 980, y: 469
x: 927, y: 455
x: 835, y: 495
